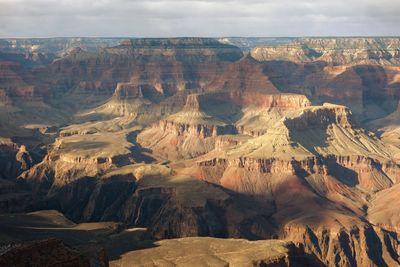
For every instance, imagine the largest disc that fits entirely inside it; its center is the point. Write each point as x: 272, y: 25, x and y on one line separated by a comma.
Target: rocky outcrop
x: 200, y: 130
x: 194, y: 120
x: 350, y: 170
x: 348, y: 246
x: 48, y: 252
x: 192, y: 131
x: 269, y: 101
x: 126, y: 91
x: 320, y: 117
x: 202, y: 252
x: 341, y: 238
x: 73, y: 157
x: 14, y: 160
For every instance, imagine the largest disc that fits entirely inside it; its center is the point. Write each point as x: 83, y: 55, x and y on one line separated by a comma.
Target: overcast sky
x: 166, y: 18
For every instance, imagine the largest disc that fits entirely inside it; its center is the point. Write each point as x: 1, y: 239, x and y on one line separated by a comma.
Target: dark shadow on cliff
x: 374, y: 247
x: 89, y: 198
x: 140, y: 154
x: 317, y: 137
x: 370, y: 93
x: 290, y: 77
x: 18, y: 228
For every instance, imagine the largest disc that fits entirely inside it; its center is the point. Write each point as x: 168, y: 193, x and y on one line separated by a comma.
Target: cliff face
x: 15, y: 81
x: 162, y: 66
x: 295, y: 52
x: 337, y: 51
x: 189, y: 138
x: 192, y: 131
x: 359, y: 72
x: 320, y: 117
x: 186, y: 49
x: 352, y: 71
x: 335, y: 234
x: 328, y: 186
x: 14, y: 159
x: 128, y: 91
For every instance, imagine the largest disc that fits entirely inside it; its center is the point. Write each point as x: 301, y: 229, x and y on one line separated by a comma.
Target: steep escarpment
x: 320, y: 117
x: 14, y: 159
x: 191, y: 132
x: 186, y: 137
x: 329, y: 166
x: 100, y: 244
x: 324, y: 133
x: 170, y: 206
x: 197, y: 49
x: 370, y: 91
x: 162, y: 66
x: 76, y: 156
x: 337, y: 51
x: 16, y: 82
x: 357, y: 72
x: 206, y: 116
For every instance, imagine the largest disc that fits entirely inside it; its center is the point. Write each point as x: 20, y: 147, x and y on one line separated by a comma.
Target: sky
x: 207, y: 18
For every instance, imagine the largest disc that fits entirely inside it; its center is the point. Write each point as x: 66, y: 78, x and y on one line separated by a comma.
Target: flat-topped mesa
x: 203, y: 101
x: 294, y: 52
x: 268, y: 101
x: 336, y: 51
x: 197, y: 49
x: 191, y: 132
x: 321, y: 116
x: 199, y: 130
x: 247, y: 98
x: 355, y: 50
x: 220, y: 252
x: 193, y: 121
x: 125, y: 91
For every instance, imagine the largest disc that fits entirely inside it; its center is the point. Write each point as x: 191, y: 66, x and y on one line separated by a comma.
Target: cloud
x: 155, y: 18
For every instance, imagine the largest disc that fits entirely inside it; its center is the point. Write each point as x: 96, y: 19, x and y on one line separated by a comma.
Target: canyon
x: 200, y: 151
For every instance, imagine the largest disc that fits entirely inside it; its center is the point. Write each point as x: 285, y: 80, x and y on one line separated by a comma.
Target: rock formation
x: 338, y: 51
x: 48, y: 252
x: 219, y: 252
x: 296, y: 140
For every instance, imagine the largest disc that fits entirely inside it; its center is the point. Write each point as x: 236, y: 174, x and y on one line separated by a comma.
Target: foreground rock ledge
x: 206, y: 251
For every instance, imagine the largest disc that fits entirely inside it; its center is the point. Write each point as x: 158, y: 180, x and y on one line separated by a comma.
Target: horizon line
x: 209, y: 37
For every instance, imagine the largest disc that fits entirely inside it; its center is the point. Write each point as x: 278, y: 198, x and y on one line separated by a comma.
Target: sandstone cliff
x: 189, y: 138
x: 338, y: 51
